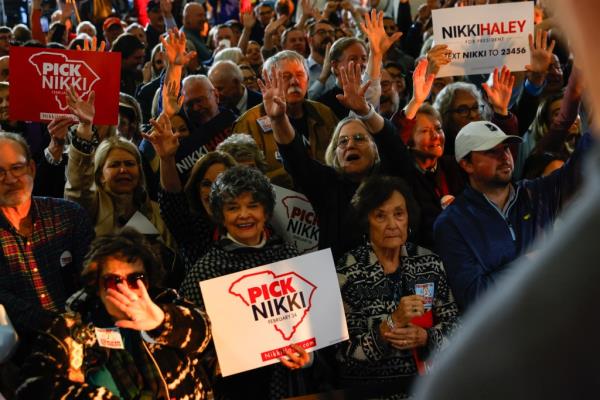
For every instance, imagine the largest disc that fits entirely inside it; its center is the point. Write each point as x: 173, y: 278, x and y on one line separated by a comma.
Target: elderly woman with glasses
x: 398, y: 305
x: 460, y: 103
x: 121, y: 337
x: 358, y: 148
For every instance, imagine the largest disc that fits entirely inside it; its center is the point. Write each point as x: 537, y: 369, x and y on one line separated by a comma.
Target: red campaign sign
x: 39, y: 79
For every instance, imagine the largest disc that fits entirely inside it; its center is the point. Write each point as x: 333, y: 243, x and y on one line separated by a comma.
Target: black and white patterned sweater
x: 369, y: 296
x: 226, y: 257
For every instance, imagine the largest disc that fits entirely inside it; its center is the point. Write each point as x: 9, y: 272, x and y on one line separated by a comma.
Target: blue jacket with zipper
x: 477, y: 241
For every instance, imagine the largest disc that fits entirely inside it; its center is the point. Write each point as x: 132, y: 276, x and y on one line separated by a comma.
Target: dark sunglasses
x: 112, y: 280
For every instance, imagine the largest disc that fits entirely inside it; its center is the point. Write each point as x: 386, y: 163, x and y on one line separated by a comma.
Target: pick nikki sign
x: 258, y: 313
x: 287, y: 297
x: 39, y: 79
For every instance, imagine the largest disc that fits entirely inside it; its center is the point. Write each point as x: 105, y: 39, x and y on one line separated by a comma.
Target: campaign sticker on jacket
x: 295, y: 301
x: 427, y: 291
x: 295, y: 219
x: 484, y: 37
x: 65, y: 258
x: 40, y: 77
x: 264, y: 123
x: 110, y: 338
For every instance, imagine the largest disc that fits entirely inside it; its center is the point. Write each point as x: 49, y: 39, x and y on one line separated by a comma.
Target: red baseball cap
x: 111, y: 21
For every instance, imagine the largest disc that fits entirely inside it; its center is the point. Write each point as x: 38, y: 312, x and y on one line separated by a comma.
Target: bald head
x: 201, y: 100
x: 194, y: 16
x: 227, y: 79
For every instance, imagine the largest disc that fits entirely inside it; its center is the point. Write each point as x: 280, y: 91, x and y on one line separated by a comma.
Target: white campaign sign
x: 257, y: 313
x: 484, y: 37
x: 295, y: 220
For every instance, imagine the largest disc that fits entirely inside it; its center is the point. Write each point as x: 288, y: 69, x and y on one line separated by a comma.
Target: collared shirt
x: 39, y: 272
x: 242, y: 105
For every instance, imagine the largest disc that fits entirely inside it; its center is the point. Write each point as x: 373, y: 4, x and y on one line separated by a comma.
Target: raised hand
x: 372, y: 27
x: 84, y: 110
x: 438, y: 56
x: 248, y: 20
x: 142, y: 313
x: 174, y: 47
x: 93, y: 46
x: 308, y: 9
x: 500, y: 92
x: 541, y: 53
x: 354, y: 94
x: 273, y: 91
x: 162, y: 137
x: 171, y: 100
x: 422, y: 81
x: 274, y: 25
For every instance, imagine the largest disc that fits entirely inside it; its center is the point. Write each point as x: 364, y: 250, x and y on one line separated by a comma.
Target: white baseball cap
x: 480, y: 136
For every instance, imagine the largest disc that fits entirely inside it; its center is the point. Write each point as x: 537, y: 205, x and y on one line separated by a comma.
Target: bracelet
x: 369, y: 114
x: 390, y: 322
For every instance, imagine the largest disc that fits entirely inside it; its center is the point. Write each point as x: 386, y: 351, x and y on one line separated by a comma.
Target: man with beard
x: 495, y: 221
x: 312, y: 120
x: 320, y: 34
x: 43, y: 241
x: 389, y: 102
x: 228, y: 80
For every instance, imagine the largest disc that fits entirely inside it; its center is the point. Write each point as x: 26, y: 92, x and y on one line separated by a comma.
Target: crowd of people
x: 426, y: 189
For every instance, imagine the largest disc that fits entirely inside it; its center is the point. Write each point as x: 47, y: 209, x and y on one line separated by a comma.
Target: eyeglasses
x: 465, y: 111
x: 15, y: 170
x: 387, y: 84
x: 358, y: 138
x: 124, y: 163
x: 112, y: 280
x: 325, y: 32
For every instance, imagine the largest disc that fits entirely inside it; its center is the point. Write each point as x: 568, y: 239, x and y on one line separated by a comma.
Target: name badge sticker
x: 264, y: 123
x: 110, y: 338
x: 427, y: 291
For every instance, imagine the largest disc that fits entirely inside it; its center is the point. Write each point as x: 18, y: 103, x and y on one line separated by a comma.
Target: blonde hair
x: 330, y: 154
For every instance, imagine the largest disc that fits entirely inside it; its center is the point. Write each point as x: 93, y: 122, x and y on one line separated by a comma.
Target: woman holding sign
x: 398, y: 305
x: 241, y: 202
x: 121, y: 338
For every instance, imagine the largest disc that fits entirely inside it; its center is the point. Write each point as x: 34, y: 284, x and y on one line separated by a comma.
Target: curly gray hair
x: 236, y: 181
x: 444, y: 99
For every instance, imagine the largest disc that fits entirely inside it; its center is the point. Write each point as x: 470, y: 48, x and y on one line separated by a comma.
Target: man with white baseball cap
x: 494, y: 220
